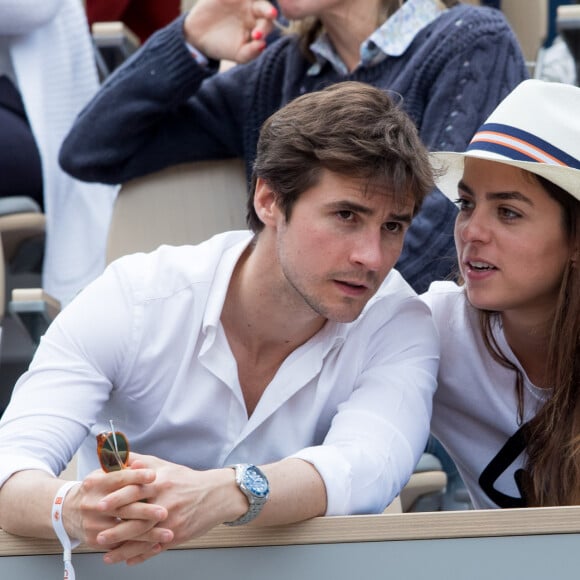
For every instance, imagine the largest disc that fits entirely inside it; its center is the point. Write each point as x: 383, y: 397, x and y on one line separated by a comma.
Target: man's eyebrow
x: 501, y: 195
x: 401, y: 217
x: 365, y: 210
x: 346, y: 205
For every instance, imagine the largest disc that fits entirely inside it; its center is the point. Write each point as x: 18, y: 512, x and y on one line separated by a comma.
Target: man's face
x: 339, y: 244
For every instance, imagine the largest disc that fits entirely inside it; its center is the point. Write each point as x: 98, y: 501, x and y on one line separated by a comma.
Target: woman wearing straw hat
x: 508, y: 403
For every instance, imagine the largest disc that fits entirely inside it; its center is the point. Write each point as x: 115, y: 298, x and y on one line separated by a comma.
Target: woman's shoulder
x: 471, y: 14
x: 446, y: 300
x: 442, y: 291
x: 466, y: 22
x: 454, y: 317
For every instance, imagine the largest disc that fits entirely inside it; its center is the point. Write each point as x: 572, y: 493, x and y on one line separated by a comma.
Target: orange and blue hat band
x: 519, y: 145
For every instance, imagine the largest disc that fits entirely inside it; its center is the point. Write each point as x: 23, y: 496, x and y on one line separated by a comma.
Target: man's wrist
x: 62, y: 534
x: 253, y: 484
x: 239, y: 504
x: 70, y: 512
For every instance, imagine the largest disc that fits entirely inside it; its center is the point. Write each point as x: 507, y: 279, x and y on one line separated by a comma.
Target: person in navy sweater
x: 450, y: 64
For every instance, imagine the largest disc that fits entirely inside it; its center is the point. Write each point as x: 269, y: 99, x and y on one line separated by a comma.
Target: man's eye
x: 393, y: 227
x: 345, y: 215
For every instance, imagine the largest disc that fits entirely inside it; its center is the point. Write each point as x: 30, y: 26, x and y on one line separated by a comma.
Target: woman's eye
x: 463, y: 204
x: 507, y: 213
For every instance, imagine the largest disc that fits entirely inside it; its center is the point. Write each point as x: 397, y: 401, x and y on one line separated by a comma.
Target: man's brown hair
x: 349, y: 128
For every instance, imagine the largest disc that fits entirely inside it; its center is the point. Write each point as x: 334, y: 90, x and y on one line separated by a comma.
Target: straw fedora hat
x: 536, y: 127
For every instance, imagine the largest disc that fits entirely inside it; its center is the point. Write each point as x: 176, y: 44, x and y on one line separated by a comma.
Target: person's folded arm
x: 160, y: 108
x: 27, y: 496
x: 197, y: 501
x: 55, y: 403
x: 378, y: 434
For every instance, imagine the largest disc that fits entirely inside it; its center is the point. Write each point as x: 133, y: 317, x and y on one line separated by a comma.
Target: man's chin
x: 344, y: 317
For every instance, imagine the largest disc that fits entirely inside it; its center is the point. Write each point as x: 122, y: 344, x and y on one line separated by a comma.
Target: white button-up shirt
x: 143, y: 345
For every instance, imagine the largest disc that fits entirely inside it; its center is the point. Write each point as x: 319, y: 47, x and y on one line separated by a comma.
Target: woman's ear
x: 265, y: 202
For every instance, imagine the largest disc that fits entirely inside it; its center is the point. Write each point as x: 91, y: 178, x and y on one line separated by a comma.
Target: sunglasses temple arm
x: 116, y: 445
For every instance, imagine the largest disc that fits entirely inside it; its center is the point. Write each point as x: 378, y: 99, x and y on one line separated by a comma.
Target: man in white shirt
x: 296, y: 348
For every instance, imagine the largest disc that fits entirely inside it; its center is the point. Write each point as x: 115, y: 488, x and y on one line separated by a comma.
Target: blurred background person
x: 556, y: 61
x: 448, y: 63
x: 47, y: 73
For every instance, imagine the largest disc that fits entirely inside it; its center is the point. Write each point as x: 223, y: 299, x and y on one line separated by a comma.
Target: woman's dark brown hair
x: 553, y: 435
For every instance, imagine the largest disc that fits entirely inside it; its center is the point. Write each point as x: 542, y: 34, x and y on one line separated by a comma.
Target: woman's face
x: 510, y: 237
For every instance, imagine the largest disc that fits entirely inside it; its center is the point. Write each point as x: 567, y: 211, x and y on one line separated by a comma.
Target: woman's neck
x: 528, y: 339
x: 349, y: 27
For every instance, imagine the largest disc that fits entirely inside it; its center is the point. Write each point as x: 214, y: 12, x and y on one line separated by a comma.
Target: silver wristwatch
x: 253, y: 483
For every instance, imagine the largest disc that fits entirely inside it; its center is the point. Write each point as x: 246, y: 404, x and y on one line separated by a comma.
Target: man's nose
x: 369, y: 250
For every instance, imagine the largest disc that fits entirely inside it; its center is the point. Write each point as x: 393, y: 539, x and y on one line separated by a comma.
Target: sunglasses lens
x: 112, y: 457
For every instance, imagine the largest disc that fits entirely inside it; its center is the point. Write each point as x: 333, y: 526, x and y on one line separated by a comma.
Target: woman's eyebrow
x: 516, y: 195
x: 502, y: 195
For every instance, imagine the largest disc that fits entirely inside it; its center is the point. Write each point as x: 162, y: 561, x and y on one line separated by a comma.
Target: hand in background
x: 232, y: 30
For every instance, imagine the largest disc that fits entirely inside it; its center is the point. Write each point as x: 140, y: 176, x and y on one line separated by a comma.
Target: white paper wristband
x: 67, y: 543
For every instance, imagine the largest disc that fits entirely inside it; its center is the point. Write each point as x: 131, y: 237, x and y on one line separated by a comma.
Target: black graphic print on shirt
x: 513, y: 447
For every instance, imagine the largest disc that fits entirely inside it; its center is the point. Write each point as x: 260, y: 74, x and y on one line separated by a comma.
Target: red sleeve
x: 144, y: 17
x: 105, y: 10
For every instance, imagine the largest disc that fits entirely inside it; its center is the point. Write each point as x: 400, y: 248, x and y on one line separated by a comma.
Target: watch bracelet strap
x: 256, y: 504
x: 253, y: 511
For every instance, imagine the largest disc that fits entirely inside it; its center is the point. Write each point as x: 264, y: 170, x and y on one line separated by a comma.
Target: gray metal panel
x: 502, y: 558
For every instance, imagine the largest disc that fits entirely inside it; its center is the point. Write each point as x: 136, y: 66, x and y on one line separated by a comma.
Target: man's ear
x: 265, y: 202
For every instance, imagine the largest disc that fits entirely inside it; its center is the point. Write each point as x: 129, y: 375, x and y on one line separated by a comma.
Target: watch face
x: 255, y: 481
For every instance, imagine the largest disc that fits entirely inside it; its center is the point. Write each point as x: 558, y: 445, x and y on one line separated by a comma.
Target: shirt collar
x: 331, y: 335
x: 220, y: 284
x: 391, y: 39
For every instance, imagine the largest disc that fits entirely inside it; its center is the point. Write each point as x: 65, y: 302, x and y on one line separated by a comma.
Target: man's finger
x: 132, y: 552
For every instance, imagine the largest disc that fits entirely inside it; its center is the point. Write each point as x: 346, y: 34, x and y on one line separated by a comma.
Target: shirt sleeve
x: 378, y: 434
x: 55, y: 403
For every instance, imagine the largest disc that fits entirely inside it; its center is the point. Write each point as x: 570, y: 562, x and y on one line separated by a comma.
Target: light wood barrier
x: 471, y: 545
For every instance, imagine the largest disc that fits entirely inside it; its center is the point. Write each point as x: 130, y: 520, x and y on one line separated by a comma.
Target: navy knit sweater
x: 160, y: 108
